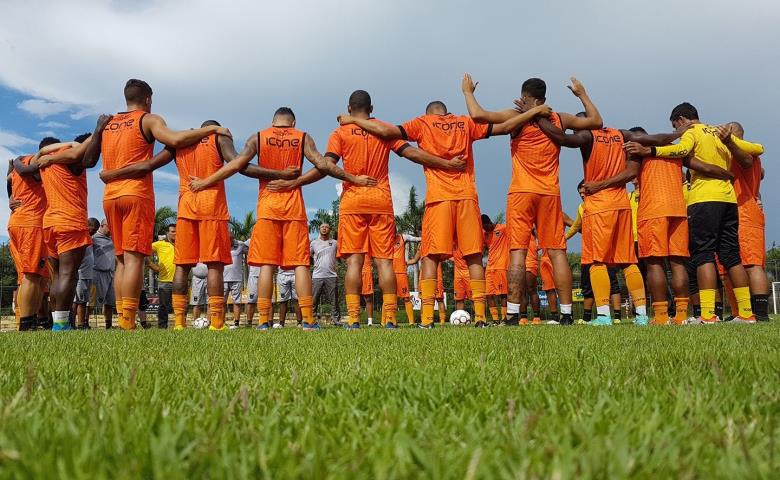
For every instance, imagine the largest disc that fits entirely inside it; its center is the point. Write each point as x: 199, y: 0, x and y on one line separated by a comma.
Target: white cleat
x: 553, y: 322
x: 692, y: 321
x: 278, y: 325
x: 233, y: 327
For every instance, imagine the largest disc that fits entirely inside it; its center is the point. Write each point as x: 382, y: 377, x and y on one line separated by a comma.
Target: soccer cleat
x: 233, y: 327
x: 178, y: 328
x: 523, y: 322
x: 352, y: 326
x: 391, y: 326
x: 729, y: 319
x: 536, y: 321
x: 310, y: 327
x: 553, y: 322
x: 661, y: 323
x: 279, y: 325
x: 749, y: 320
x: 215, y: 329
x: 580, y: 321
x: 480, y: 325
x: 61, y: 327
x: 566, y: 319
x: 424, y: 326
x: 708, y: 321
x: 641, y: 320
x: 601, y: 321
x: 510, y: 321
x: 263, y: 326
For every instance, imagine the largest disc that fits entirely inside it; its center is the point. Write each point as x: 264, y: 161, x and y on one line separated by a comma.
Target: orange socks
x: 180, y: 310
x: 599, y: 281
x: 478, y: 298
x: 636, y: 287
x: 660, y: 313
x: 681, y: 310
x: 217, y: 312
x: 389, y: 307
x: 307, y: 304
x: 442, y: 313
x: 353, y: 308
x: 118, y: 306
x: 494, y: 314
x: 409, y: 311
x: 263, y: 311
x: 129, y: 311
x: 427, y: 292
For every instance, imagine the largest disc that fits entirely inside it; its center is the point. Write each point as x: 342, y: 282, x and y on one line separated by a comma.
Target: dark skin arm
x: 578, y: 139
x: 138, y: 170
x: 425, y: 159
x: 625, y: 176
x: 92, y: 153
x: 25, y: 170
x: 708, y: 170
x: 654, y: 140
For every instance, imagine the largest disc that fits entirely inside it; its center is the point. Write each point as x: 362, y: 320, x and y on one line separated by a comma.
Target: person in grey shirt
x: 105, y: 264
x: 199, y: 291
x: 251, y: 291
x: 233, y: 276
x: 84, y: 283
x: 324, y: 277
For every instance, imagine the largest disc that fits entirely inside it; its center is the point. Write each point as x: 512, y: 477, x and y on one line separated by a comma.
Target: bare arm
x: 708, y: 169
x: 138, y: 170
x: 155, y: 125
x: 381, y: 130
x: 92, y: 153
x: 654, y: 140
x: 229, y: 169
x: 567, y: 220
x: 520, y: 119
x: 414, y: 259
x: 425, y: 159
x: 476, y: 111
x: 71, y: 156
x: 592, y: 119
x: 24, y: 170
x: 620, y: 179
x: 330, y: 168
x: 283, y: 185
x: 572, y: 140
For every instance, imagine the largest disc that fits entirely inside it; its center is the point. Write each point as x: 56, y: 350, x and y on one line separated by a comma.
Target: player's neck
x: 131, y: 107
x: 324, y: 238
x: 361, y: 115
x: 275, y: 125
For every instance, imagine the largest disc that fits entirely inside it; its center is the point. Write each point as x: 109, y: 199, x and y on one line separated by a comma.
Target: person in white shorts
x: 199, y: 291
x: 285, y: 289
x: 233, y: 276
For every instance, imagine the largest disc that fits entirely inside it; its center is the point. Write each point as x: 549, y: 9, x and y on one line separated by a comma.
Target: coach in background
x: 165, y: 268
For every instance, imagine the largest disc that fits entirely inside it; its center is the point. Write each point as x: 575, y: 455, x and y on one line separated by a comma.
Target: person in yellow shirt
x: 712, y: 211
x: 163, y: 250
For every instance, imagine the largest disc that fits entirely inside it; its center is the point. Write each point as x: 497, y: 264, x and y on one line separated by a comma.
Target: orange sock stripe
x: 660, y: 313
x: 217, y: 311
x: 427, y: 294
x: 494, y: 313
x: 635, y: 284
x: 409, y: 312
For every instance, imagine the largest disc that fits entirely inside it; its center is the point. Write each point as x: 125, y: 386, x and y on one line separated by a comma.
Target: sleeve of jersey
x: 334, y: 150
x: 680, y: 150
x: 411, y: 130
x: 748, y: 147
x: 480, y: 131
x: 576, y: 226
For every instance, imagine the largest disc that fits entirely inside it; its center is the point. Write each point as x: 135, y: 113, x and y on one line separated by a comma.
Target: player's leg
x: 597, y: 232
x: 303, y: 289
x: 438, y: 232
x: 179, y: 298
x: 131, y: 284
x: 265, y: 290
x: 656, y: 282
x: 387, y: 282
x: 533, y: 298
x: 236, y: 294
x: 64, y: 289
x: 552, y: 304
x: 402, y: 293
x: 282, y: 302
x: 530, y: 278
x: 729, y: 256
x: 548, y: 217
x: 679, y: 268
x: 352, y: 246
x: 352, y: 286
x: 752, y: 248
x: 615, y: 295
x: 28, y: 298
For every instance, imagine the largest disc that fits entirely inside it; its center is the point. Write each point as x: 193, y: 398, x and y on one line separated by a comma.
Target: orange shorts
x: 663, y: 237
x: 64, y: 239
x: 131, y: 222
x: 284, y: 243
x: 451, y: 223
x: 462, y: 287
x: 366, y: 233
x: 607, y: 237
x: 28, y: 250
x: 752, y: 245
x: 526, y: 210
x: 402, y: 285
x: 202, y: 241
x: 367, y: 281
x: 532, y: 263
x: 548, y: 280
x: 495, y: 282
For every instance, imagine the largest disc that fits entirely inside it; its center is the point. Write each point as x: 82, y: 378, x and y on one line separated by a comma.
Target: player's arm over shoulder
x: 154, y: 126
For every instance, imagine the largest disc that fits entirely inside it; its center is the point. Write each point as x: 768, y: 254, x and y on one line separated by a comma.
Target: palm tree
x: 242, y: 230
x: 499, y: 218
x: 411, y: 220
x: 331, y: 217
x: 163, y: 217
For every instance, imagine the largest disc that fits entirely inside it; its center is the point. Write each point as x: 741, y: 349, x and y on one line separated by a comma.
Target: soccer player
x: 531, y: 294
x: 199, y: 294
x: 233, y: 277
x: 280, y: 237
x: 366, y: 215
x: 400, y: 264
x: 165, y: 268
x: 461, y: 282
x: 25, y: 231
x: 497, y: 241
x: 548, y: 285
x: 105, y: 261
x: 439, y: 297
x: 452, y: 217
x: 752, y: 226
x: 86, y: 274
x: 534, y: 198
x: 367, y: 289
x: 129, y: 202
x: 251, y: 290
x: 713, y: 217
x: 285, y: 288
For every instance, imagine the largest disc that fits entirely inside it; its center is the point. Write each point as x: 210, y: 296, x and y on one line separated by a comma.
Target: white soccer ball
x: 460, y: 317
x: 201, y: 323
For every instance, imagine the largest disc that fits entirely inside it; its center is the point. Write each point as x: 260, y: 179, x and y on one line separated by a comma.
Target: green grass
x: 693, y: 402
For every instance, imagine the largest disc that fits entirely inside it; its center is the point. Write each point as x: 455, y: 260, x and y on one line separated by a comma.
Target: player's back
x: 606, y: 160
x: 66, y: 196
x: 747, y: 184
x: 201, y: 160
x: 709, y: 149
x: 660, y: 180
x: 29, y: 191
x: 124, y: 143
x: 399, y: 254
x: 280, y: 148
x: 535, y: 160
x: 498, y: 251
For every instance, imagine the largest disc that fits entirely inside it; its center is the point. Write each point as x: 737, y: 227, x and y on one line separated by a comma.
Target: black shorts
x: 713, y: 228
x: 143, y: 302
x: 585, y: 285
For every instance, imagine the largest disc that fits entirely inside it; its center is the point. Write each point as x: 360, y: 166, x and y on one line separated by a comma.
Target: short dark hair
x: 81, y: 138
x: 360, y: 100
x: 169, y: 226
x: 686, y: 110
x: 93, y: 222
x: 136, y: 91
x: 436, y: 104
x: 581, y: 184
x: 209, y: 123
x: 285, y: 112
x: 535, y: 87
x: 48, y: 141
x: 486, y: 218
x: 637, y: 129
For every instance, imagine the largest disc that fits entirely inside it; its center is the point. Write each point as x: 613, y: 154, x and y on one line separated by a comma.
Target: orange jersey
x: 201, y: 160
x: 364, y: 154
x: 747, y: 182
x: 399, y: 254
x: 447, y: 136
x: 124, y: 143
x: 30, y: 192
x: 661, y: 196
x: 498, y: 249
x: 280, y: 148
x: 606, y: 160
x: 66, y: 195
x: 461, y: 267
x: 535, y: 160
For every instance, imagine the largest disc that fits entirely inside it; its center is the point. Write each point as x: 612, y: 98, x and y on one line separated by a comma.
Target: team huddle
x: 689, y: 225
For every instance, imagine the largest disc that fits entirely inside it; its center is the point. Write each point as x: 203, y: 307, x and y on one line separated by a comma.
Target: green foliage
x: 163, y: 217
x: 411, y: 220
x: 532, y: 402
x: 331, y: 217
x: 242, y: 229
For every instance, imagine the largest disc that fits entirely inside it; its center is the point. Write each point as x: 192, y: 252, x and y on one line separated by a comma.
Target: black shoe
x: 566, y: 319
x: 27, y: 324
x: 511, y: 321
x: 84, y: 326
x: 45, y: 323
x: 481, y: 325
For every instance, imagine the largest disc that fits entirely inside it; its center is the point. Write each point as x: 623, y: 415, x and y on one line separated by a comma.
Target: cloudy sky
x: 64, y: 62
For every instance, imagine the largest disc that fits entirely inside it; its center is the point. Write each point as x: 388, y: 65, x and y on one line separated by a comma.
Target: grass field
x: 694, y: 402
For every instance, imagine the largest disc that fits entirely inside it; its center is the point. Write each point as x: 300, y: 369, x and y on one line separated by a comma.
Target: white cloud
x: 47, y: 133
x: 53, y: 125
x: 166, y: 177
x: 399, y: 187
x: 42, y: 108
x: 11, y: 139
x: 339, y: 189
